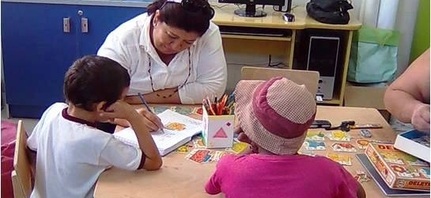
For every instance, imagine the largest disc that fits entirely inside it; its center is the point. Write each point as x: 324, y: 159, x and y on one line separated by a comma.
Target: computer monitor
x: 250, y: 6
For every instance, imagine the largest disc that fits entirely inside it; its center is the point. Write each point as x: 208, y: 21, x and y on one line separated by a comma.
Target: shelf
x: 256, y: 33
x: 329, y: 102
x: 250, y: 37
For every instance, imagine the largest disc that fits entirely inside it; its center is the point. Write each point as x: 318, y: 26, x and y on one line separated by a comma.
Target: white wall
x: 406, y: 20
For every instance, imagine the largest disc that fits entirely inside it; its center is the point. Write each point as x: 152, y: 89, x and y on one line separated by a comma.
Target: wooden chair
x: 21, y: 175
x: 303, y: 77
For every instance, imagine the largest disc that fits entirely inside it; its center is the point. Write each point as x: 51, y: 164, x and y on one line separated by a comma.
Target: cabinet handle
x: 84, y: 25
x: 80, y: 12
x: 66, y: 24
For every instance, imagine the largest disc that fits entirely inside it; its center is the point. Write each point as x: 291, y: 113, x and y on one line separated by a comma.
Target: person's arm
x: 361, y: 192
x: 115, y: 47
x: 120, y: 109
x: 32, y: 156
x: 409, y: 92
x: 151, y: 120
x: 153, y: 159
x: 212, y: 186
x: 211, y: 71
x: 154, y: 99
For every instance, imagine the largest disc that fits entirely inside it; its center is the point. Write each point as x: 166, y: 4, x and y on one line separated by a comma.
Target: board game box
x: 398, y: 169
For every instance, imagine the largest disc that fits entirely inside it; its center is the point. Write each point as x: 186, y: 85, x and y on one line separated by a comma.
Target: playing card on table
x: 315, y: 135
x: 306, y: 152
x: 204, y: 155
x: 185, y: 148
x: 313, y: 145
x: 238, y: 147
x: 160, y: 109
x: 184, y: 110
x: 343, y: 147
x: 340, y: 158
x: 339, y: 135
x: 362, y: 143
x: 198, y: 142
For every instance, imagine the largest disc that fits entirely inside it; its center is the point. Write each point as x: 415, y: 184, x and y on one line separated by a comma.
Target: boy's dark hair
x: 189, y: 15
x: 92, y: 79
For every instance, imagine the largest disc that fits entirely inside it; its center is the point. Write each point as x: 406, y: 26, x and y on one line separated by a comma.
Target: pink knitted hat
x: 275, y: 114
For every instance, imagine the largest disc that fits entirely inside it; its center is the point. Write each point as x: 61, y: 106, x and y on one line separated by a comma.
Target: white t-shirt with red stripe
x: 71, y: 154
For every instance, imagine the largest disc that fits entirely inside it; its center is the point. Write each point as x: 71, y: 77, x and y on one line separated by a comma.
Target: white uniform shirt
x: 130, y: 45
x: 72, y: 155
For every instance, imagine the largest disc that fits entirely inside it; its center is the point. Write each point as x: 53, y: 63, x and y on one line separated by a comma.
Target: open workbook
x: 179, y: 129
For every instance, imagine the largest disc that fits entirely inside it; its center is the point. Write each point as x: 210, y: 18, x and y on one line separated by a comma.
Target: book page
x: 178, y: 130
x: 178, y: 123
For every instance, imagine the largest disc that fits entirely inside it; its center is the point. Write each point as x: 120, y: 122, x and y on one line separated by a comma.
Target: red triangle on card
x: 220, y: 134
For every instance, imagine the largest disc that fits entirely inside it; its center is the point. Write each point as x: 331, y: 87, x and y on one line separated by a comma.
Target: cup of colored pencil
x: 218, y: 122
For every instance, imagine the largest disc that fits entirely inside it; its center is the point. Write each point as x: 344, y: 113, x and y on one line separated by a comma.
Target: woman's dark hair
x: 189, y: 15
x: 92, y: 79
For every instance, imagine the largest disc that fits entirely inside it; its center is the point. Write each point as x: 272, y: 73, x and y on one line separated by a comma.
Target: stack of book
x: 415, y: 143
x: 397, y: 172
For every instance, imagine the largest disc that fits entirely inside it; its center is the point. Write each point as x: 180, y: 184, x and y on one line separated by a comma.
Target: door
x: 101, y: 20
x: 36, y: 54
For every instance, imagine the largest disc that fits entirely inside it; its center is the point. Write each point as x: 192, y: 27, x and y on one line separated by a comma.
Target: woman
x: 408, y: 97
x: 173, y: 53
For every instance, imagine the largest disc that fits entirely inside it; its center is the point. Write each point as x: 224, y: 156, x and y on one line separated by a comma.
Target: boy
x: 71, y: 151
x: 274, y: 116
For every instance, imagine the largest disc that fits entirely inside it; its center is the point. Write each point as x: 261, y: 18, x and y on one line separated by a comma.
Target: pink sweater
x: 292, y: 176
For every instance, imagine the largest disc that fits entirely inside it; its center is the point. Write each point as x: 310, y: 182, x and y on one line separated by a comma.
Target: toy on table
x: 399, y: 170
x: 361, y: 176
x: 339, y: 136
x: 365, y: 133
x: 362, y: 143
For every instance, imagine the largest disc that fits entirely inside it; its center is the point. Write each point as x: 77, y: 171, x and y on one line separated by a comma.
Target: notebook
x: 179, y: 129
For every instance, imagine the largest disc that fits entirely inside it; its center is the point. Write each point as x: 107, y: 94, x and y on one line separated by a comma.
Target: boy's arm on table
x: 146, y: 143
x: 138, y: 121
x: 150, y: 120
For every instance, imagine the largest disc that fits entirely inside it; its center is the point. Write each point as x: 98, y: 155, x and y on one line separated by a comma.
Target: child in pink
x: 274, y: 120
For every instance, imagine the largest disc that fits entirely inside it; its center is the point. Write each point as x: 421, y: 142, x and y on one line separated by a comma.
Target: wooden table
x: 180, y: 177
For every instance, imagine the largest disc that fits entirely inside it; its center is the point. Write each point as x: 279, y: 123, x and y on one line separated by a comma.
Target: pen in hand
x: 144, y: 102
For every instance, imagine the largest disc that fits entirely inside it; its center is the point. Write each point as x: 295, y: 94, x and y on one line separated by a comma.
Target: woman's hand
x: 421, y: 118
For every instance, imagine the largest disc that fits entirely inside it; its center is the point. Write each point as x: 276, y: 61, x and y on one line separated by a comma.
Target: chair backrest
x: 303, y: 77
x: 21, y: 175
